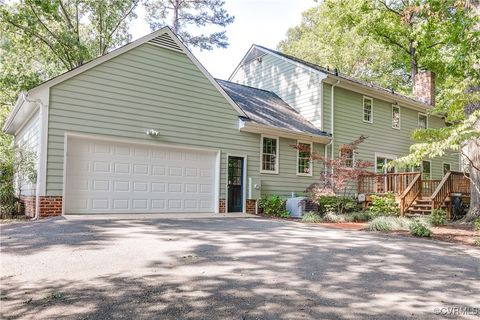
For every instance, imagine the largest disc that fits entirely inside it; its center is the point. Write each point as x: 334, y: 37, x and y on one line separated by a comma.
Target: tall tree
x: 74, y: 31
x: 181, y: 14
x: 330, y: 35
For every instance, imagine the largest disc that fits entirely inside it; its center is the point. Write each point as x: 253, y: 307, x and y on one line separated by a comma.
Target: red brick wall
x: 29, y: 202
x: 251, y: 206
x: 50, y: 206
x: 222, y: 206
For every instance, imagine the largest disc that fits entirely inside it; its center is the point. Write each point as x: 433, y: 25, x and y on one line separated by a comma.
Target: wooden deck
x: 415, y: 194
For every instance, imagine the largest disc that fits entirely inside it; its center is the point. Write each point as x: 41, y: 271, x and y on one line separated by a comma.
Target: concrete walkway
x: 214, y: 267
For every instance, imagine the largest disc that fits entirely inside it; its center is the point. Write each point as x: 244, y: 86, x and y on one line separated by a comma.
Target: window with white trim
x: 422, y: 121
x: 349, y: 157
x: 446, y: 167
x: 395, y: 117
x: 269, y: 155
x: 304, y: 161
x: 367, y: 109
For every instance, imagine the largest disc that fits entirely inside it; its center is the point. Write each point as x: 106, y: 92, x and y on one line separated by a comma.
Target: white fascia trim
x: 99, y: 60
x: 240, y: 63
x: 247, y: 126
x: 384, y: 96
x: 205, y: 72
x: 298, y: 64
x: 128, y: 47
x: 18, y: 105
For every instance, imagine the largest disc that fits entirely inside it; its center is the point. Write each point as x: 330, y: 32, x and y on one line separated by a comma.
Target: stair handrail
x: 442, y: 191
x: 410, y: 194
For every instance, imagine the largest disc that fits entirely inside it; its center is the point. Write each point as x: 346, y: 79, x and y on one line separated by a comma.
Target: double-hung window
x: 348, y: 156
x: 367, y: 109
x: 269, y: 159
x: 422, y: 121
x: 395, y: 117
x: 304, y: 161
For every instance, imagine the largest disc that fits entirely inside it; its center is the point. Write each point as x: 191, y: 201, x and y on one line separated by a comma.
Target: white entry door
x: 115, y: 177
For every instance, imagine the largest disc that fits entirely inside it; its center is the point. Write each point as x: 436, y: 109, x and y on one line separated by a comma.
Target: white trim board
x: 277, y: 156
x: 244, y: 182
x: 346, y: 83
x: 112, y: 54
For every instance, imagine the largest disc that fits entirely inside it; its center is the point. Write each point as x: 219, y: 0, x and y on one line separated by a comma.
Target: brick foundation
x: 222, y: 206
x: 29, y: 203
x: 251, y: 206
x: 50, y: 206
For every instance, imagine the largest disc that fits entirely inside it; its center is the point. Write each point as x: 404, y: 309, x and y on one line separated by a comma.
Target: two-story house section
x: 347, y: 107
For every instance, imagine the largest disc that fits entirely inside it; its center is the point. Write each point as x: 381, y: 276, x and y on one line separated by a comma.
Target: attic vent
x: 165, y: 41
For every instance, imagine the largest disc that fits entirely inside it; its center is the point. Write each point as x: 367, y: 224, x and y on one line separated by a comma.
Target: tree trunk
x: 413, y: 62
x: 176, y: 8
x: 472, y: 151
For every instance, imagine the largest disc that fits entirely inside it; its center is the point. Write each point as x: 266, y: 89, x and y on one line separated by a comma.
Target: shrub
x: 312, y: 217
x: 418, y: 229
x: 477, y: 241
x: 438, y: 217
x: 8, y: 199
x: 336, y: 204
x: 274, y: 206
x: 476, y: 224
x: 384, y: 205
x: 384, y: 223
x: 361, y: 216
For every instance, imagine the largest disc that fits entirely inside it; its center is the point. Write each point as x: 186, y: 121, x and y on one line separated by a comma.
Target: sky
x: 263, y: 22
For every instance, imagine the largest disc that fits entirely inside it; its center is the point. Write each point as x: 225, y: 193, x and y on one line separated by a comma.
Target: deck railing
x: 386, y: 182
x: 411, y: 193
x: 408, y: 186
x: 429, y: 186
x: 452, y: 182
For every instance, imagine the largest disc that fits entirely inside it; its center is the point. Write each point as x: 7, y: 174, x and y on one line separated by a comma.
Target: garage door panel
x: 105, y: 177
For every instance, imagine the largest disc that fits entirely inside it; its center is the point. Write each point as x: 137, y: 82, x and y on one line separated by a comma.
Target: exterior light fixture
x: 152, y: 132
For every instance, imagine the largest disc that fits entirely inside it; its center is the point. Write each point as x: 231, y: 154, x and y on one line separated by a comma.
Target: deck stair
x: 417, y: 196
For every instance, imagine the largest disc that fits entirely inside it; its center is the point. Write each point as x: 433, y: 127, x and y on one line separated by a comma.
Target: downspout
x: 332, y: 125
x: 41, y: 168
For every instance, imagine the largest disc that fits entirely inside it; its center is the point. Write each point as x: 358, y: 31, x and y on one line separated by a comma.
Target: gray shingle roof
x: 343, y: 76
x: 265, y: 107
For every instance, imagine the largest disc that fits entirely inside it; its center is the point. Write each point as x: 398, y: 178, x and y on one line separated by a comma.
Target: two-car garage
x: 107, y: 176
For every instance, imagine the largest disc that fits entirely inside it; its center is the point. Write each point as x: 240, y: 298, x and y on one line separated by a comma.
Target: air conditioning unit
x: 296, y: 206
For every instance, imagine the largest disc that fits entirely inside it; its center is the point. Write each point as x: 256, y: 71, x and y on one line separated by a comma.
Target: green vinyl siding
x: 382, y: 138
x: 300, y: 88
x: 295, y: 85
x: 152, y: 87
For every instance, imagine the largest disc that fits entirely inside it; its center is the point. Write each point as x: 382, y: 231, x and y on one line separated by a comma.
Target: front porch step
x: 420, y: 207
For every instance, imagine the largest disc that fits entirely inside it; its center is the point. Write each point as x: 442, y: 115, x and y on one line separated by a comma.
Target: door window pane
x: 426, y: 170
x: 446, y: 168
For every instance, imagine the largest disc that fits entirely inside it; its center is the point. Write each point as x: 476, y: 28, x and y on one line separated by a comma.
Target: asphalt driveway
x: 228, y: 268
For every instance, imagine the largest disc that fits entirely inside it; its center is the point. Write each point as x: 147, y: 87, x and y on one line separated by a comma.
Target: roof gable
x: 164, y: 38
x: 353, y: 83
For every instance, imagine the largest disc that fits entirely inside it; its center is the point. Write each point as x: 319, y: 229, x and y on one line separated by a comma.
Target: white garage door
x: 111, y: 177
